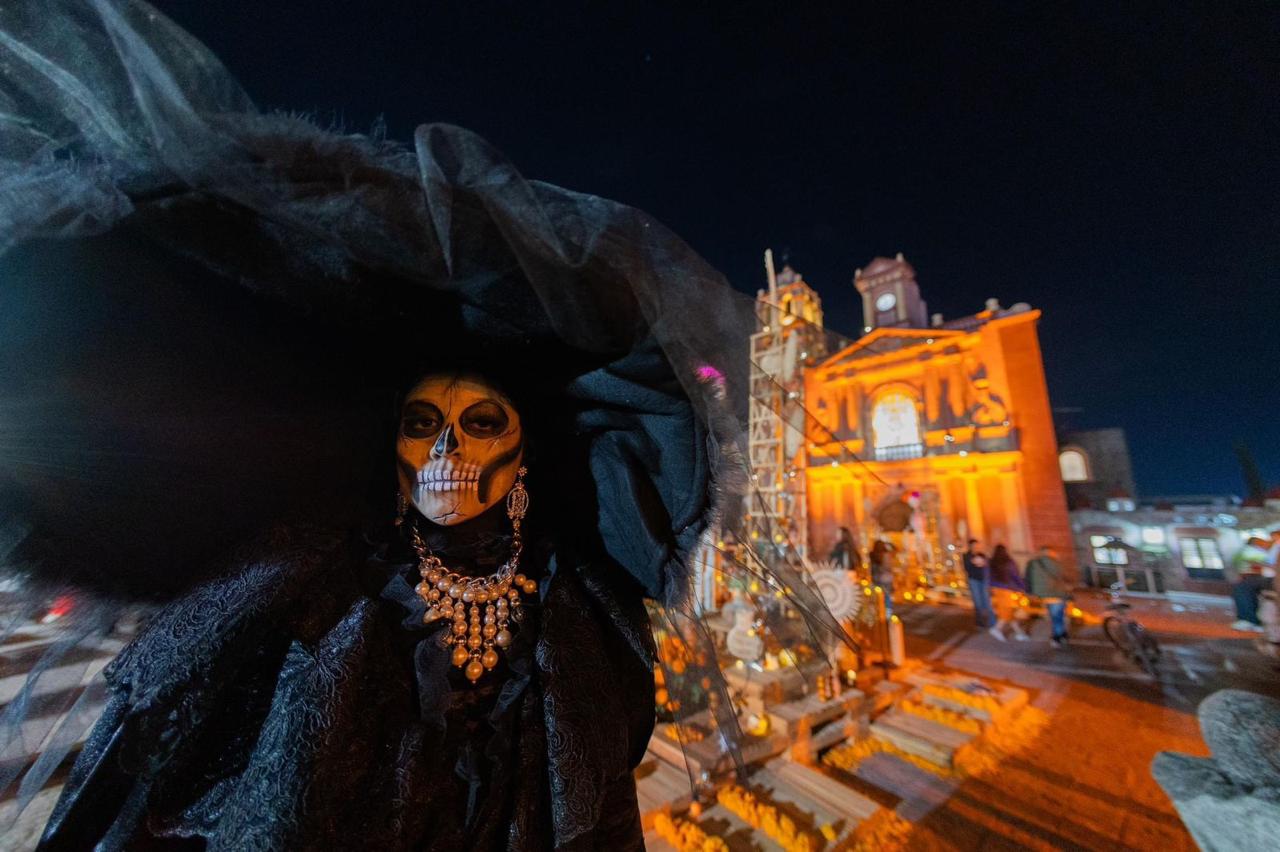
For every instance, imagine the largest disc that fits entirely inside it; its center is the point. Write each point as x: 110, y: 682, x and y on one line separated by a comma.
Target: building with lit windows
x: 950, y: 418
x: 1152, y: 544
x: 1167, y: 544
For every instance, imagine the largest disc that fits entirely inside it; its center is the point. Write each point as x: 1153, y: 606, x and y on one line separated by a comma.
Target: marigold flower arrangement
x: 1009, y: 739
x: 688, y: 734
x: 942, y: 715
x: 882, y: 832
x: 687, y: 836
x: 758, y: 813
x: 976, y: 700
x: 848, y: 757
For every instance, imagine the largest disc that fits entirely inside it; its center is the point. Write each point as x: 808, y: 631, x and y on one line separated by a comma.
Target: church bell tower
x: 890, y: 295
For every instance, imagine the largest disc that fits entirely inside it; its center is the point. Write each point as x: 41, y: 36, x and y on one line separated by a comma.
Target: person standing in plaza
x: 977, y: 572
x: 1268, y: 608
x: 881, y: 559
x: 1250, y: 568
x: 1006, y: 588
x: 845, y: 553
x: 1045, y: 581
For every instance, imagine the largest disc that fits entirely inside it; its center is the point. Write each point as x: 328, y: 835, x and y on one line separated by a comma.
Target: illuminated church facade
x: 951, y: 418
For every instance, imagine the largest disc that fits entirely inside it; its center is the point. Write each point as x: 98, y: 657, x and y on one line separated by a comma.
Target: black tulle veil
x: 207, y: 314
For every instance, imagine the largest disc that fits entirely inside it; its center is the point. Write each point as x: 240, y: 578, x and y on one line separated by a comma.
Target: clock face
x: 886, y: 301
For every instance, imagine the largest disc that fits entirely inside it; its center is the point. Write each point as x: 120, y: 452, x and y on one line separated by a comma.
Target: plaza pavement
x: 1085, y: 783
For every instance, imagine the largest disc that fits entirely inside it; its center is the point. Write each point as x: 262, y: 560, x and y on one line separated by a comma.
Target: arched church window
x: 1074, y: 465
x: 895, y: 427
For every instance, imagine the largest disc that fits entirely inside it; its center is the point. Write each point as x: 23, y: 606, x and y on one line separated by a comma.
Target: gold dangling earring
x: 402, y: 508
x: 517, y: 506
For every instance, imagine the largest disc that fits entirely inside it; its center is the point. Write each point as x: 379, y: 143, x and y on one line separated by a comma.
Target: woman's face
x: 459, y: 447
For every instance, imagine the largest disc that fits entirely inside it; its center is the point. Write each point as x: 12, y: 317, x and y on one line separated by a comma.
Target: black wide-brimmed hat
x: 206, y: 311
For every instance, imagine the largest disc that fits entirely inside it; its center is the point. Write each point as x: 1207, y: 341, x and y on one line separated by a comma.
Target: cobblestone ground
x: 1086, y: 782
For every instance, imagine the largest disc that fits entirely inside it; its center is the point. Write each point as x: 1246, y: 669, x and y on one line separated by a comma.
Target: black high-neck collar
x: 479, y: 545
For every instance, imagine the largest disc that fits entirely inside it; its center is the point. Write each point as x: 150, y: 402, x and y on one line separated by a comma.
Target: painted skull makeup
x: 459, y: 447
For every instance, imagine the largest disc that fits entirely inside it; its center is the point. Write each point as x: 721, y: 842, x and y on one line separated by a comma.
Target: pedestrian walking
x: 1007, y: 589
x: 977, y: 572
x: 1045, y: 581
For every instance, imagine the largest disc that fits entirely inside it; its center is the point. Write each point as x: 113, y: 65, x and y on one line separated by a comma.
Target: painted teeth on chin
x: 467, y: 477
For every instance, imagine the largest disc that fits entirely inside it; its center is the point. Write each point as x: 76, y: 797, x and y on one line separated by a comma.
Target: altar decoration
x: 761, y: 814
x: 950, y: 718
x: 687, y: 836
x: 885, y: 831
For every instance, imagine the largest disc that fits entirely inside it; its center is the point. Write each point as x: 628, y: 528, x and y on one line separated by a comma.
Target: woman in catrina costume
x: 391, y: 444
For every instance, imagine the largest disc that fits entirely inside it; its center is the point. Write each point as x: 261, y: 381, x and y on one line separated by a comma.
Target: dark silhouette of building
x: 1096, y: 470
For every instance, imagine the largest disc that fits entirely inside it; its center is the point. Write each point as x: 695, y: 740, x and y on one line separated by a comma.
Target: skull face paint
x: 459, y: 447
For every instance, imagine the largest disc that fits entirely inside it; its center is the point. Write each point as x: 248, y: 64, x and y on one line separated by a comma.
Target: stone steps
x: 814, y: 798
x: 916, y: 790
x: 740, y: 837
x: 663, y: 748
x: 1008, y: 699
x: 808, y: 797
x: 823, y: 790
x: 795, y: 718
x: 811, y: 798
x: 925, y: 738
x: 834, y: 733
x: 661, y: 787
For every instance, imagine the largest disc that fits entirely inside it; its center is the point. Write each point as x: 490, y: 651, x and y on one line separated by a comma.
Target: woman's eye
x: 484, y: 420
x: 483, y: 428
x: 420, y: 427
x: 420, y: 420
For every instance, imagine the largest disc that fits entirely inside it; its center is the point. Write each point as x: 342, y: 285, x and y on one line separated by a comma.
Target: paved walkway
x: 62, y: 707
x: 1086, y: 783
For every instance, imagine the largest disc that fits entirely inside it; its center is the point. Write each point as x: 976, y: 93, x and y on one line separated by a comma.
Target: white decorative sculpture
x: 742, y: 640
x: 838, y: 590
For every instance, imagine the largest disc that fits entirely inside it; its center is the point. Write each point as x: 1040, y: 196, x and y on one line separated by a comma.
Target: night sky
x: 1117, y: 169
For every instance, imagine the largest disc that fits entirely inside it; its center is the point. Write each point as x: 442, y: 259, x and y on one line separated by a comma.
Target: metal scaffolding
x: 789, y: 334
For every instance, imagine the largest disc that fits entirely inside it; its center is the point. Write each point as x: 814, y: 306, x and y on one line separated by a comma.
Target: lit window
x: 1119, y: 504
x: 895, y: 427
x: 1106, y: 551
x: 1075, y: 468
x: 1190, y: 553
x: 1210, y: 554
x: 1200, y: 554
x: 1153, y: 535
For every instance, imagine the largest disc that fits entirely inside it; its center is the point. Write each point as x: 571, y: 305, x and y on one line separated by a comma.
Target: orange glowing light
x: 992, y: 469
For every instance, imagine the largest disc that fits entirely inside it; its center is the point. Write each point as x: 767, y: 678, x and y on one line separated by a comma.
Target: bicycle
x: 1128, y: 635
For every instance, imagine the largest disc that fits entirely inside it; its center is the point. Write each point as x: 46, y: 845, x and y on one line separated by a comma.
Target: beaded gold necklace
x: 476, y: 634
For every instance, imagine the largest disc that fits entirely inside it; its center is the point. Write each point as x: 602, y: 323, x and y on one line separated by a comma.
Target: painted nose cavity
x: 445, y: 444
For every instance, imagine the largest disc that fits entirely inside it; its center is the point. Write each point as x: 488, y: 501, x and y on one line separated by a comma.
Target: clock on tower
x: 890, y: 295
